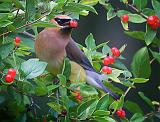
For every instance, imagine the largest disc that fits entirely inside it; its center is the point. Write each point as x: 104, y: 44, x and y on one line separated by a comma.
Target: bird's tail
x: 95, y: 80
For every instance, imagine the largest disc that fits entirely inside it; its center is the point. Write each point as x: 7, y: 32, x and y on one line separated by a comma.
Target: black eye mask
x: 62, y: 22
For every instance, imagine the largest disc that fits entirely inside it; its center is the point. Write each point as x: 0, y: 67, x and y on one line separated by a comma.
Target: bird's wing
x: 75, y: 54
x: 94, y: 78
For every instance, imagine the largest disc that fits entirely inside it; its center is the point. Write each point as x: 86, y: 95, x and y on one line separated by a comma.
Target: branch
x: 135, y: 9
x: 129, y: 88
x: 25, y: 25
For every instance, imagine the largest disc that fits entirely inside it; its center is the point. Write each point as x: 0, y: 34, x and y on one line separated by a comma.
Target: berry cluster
x: 153, y: 22
x: 121, y: 113
x: 10, y: 75
x: 110, y: 60
x: 125, y: 18
x: 78, y: 96
x: 17, y: 40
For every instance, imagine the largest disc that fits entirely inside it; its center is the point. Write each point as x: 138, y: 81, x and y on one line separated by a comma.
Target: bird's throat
x: 66, y: 30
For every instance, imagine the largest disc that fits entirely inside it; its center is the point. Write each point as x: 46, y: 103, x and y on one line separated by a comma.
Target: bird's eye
x: 62, y: 22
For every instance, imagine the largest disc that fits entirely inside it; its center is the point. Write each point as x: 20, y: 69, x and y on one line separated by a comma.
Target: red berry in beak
x: 73, y: 23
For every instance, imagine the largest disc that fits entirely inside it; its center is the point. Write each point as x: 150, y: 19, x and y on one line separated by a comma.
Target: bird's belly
x: 78, y: 74
x: 55, y: 66
x: 54, y: 59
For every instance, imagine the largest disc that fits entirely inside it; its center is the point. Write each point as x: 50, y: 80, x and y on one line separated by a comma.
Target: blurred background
x: 104, y: 30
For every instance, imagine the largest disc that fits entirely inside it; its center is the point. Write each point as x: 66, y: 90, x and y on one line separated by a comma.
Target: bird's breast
x: 50, y: 47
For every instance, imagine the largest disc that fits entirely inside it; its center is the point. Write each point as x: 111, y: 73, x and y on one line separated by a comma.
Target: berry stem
x: 25, y: 25
x: 128, y: 89
x: 135, y: 9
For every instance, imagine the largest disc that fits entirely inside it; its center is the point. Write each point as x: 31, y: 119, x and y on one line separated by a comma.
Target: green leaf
x: 106, y: 49
x: 89, y: 2
x: 125, y: 25
x: 123, y: 47
x: 62, y: 79
x: 30, y: 10
x: 115, y: 74
x: 33, y: 68
x: 100, y: 45
x: 113, y: 88
x: 140, y: 4
x: 141, y: 64
x: 139, y: 80
x: 121, y: 102
x: 148, y: 11
x: 44, y: 24
x: 119, y: 65
x: 5, y: 6
x: 86, y: 109
x: 55, y: 106
x: 90, y: 42
x: 156, y: 55
x: 135, y: 34
x: 113, y: 107
x: 101, y: 113
x: 133, y: 107
x: 146, y: 99
x: 40, y: 90
x: 77, y: 7
x: 67, y: 68
x: 18, y: 4
x: 156, y: 6
x: 111, y: 14
x: 25, y: 87
x: 122, y: 12
x: 137, y: 117
x: 103, y: 102
x: 104, y: 119
x: 135, y: 18
x: 5, y: 49
x: 85, y: 89
x: 5, y: 23
x: 150, y: 35
x: 52, y: 87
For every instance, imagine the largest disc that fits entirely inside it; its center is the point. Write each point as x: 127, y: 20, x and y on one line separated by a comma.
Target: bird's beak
x: 73, y: 23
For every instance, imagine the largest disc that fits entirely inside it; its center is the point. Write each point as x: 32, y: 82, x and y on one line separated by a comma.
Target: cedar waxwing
x: 53, y: 44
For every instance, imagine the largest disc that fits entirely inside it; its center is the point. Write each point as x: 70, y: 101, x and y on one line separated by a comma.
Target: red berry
x: 154, y: 26
x: 153, y: 21
x: 111, y: 58
x: 17, y: 40
x: 9, y: 78
x: 73, y: 23
x: 106, y: 61
x: 118, y: 112
x: 150, y: 20
x: 79, y: 97
x: 125, y: 18
x: 121, y: 113
x: 107, y: 70
x: 12, y: 72
x: 116, y: 52
x: 76, y: 93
